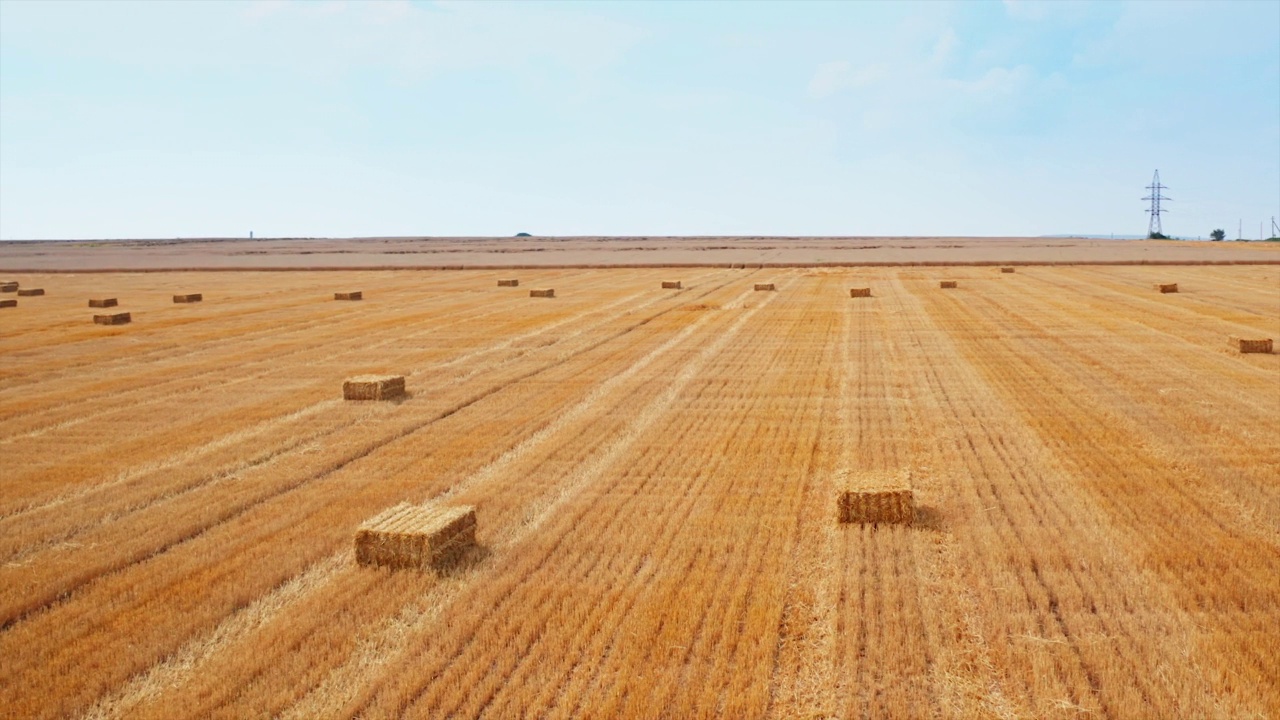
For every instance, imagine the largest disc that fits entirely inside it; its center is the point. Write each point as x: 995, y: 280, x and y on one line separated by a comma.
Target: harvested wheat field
x: 1095, y: 477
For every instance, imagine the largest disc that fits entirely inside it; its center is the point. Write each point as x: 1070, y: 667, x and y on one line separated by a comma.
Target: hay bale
x: 373, y: 387
x: 1006, y: 269
x: 670, y: 284
x: 357, y: 295
x: 1167, y: 287
x: 103, y: 303
x: 859, y: 292
x: 188, y: 298
x: 30, y: 292
x: 9, y: 287
x: 549, y: 293
x: 113, y: 319
x: 946, y: 284
x: 1243, y: 345
x: 895, y: 505
x: 508, y: 283
x: 8, y: 303
x: 764, y: 286
x: 416, y: 536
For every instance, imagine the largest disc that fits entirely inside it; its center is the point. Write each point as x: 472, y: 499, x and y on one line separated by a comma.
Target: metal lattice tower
x: 1153, y: 226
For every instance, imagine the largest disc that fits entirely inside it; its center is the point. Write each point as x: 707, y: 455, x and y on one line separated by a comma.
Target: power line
x: 1153, y: 225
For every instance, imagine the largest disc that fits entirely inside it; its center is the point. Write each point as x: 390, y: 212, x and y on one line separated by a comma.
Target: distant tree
x: 1218, y: 235
x: 523, y: 235
x: 1157, y: 236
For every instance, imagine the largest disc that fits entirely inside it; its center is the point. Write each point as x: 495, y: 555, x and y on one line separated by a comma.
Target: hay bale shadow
x: 928, y: 517
x: 465, y: 561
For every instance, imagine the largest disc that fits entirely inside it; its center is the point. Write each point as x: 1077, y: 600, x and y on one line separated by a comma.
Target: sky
x: 339, y: 119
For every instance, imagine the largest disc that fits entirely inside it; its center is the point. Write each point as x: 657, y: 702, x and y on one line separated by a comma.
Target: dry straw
x: 859, y: 292
x: 30, y: 292
x: 764, y: 286
x: 416, y: 536
x: 1006, y: 269
x: 103, y: 303
x: 508, y: 283
x: 8, y: 303
x: 188, y: 298
x: 547, y: 293
x: 945, y: 284
x: 1167, y: 287
x: 670, y: 284
x: 1243, y: 345
x: 9, y: 287
x: 876, y: 506
x: 373, y: 387
x: 357, y: 295
x: 113, y: 319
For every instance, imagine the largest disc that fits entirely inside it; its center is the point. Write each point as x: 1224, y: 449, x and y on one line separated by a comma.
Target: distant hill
x: 1096, y: 237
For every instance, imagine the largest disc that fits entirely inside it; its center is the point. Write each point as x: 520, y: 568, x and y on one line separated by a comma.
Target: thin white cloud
x: 945, y: 47
x: 835, y: 77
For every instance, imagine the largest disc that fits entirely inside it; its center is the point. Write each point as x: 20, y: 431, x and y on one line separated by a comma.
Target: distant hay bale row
x: 113, y: 319
x: 764, y: 286
x: 670, y: 284
x: 357, y: 295
x: 373, y: 387
x: 188, y: 298
x: 547, y: 293
x: 103, y: 303
x: 948, y: 284
x: 30, y: 292
x: 876, y: 506
x: 859, y: 292
x: 1250, y: 346
x: 1167, y: 287
x: 416, y: 536
x: 508, y: 283
x: 9, y: 287
x: 8, y: 303
x: 1006, y: 269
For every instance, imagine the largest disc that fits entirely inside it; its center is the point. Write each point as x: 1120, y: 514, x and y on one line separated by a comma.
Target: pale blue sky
x: 182, y: 119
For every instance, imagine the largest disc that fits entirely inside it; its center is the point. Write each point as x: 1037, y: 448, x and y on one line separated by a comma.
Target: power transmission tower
x: 1153, y: 226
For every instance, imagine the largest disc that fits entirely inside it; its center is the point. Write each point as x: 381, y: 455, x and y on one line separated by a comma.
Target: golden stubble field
x: 655, y: 476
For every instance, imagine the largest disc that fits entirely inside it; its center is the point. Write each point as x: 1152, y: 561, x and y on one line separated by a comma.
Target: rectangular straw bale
x: 188, y: 298
x: 1167, y: 287
x: 30, y: 292
x: 508, y: 283
x: 416, y: 536
x: 1243, y: 345
x: 859, y: 292
x: 547, y: 293
x: 1006, y: 269
x: 9, y: 287
x: 8, y: 303
x: 373, y: 387
x: 357, y: 295
x: 113, y: 319
x: 103, y: 302
x: 670, y: 284
x: 764, y: 286
x: 945, y: 284
x: 877, y: 506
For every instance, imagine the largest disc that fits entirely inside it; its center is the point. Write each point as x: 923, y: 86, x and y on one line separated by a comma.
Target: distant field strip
x: 655, y: 473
